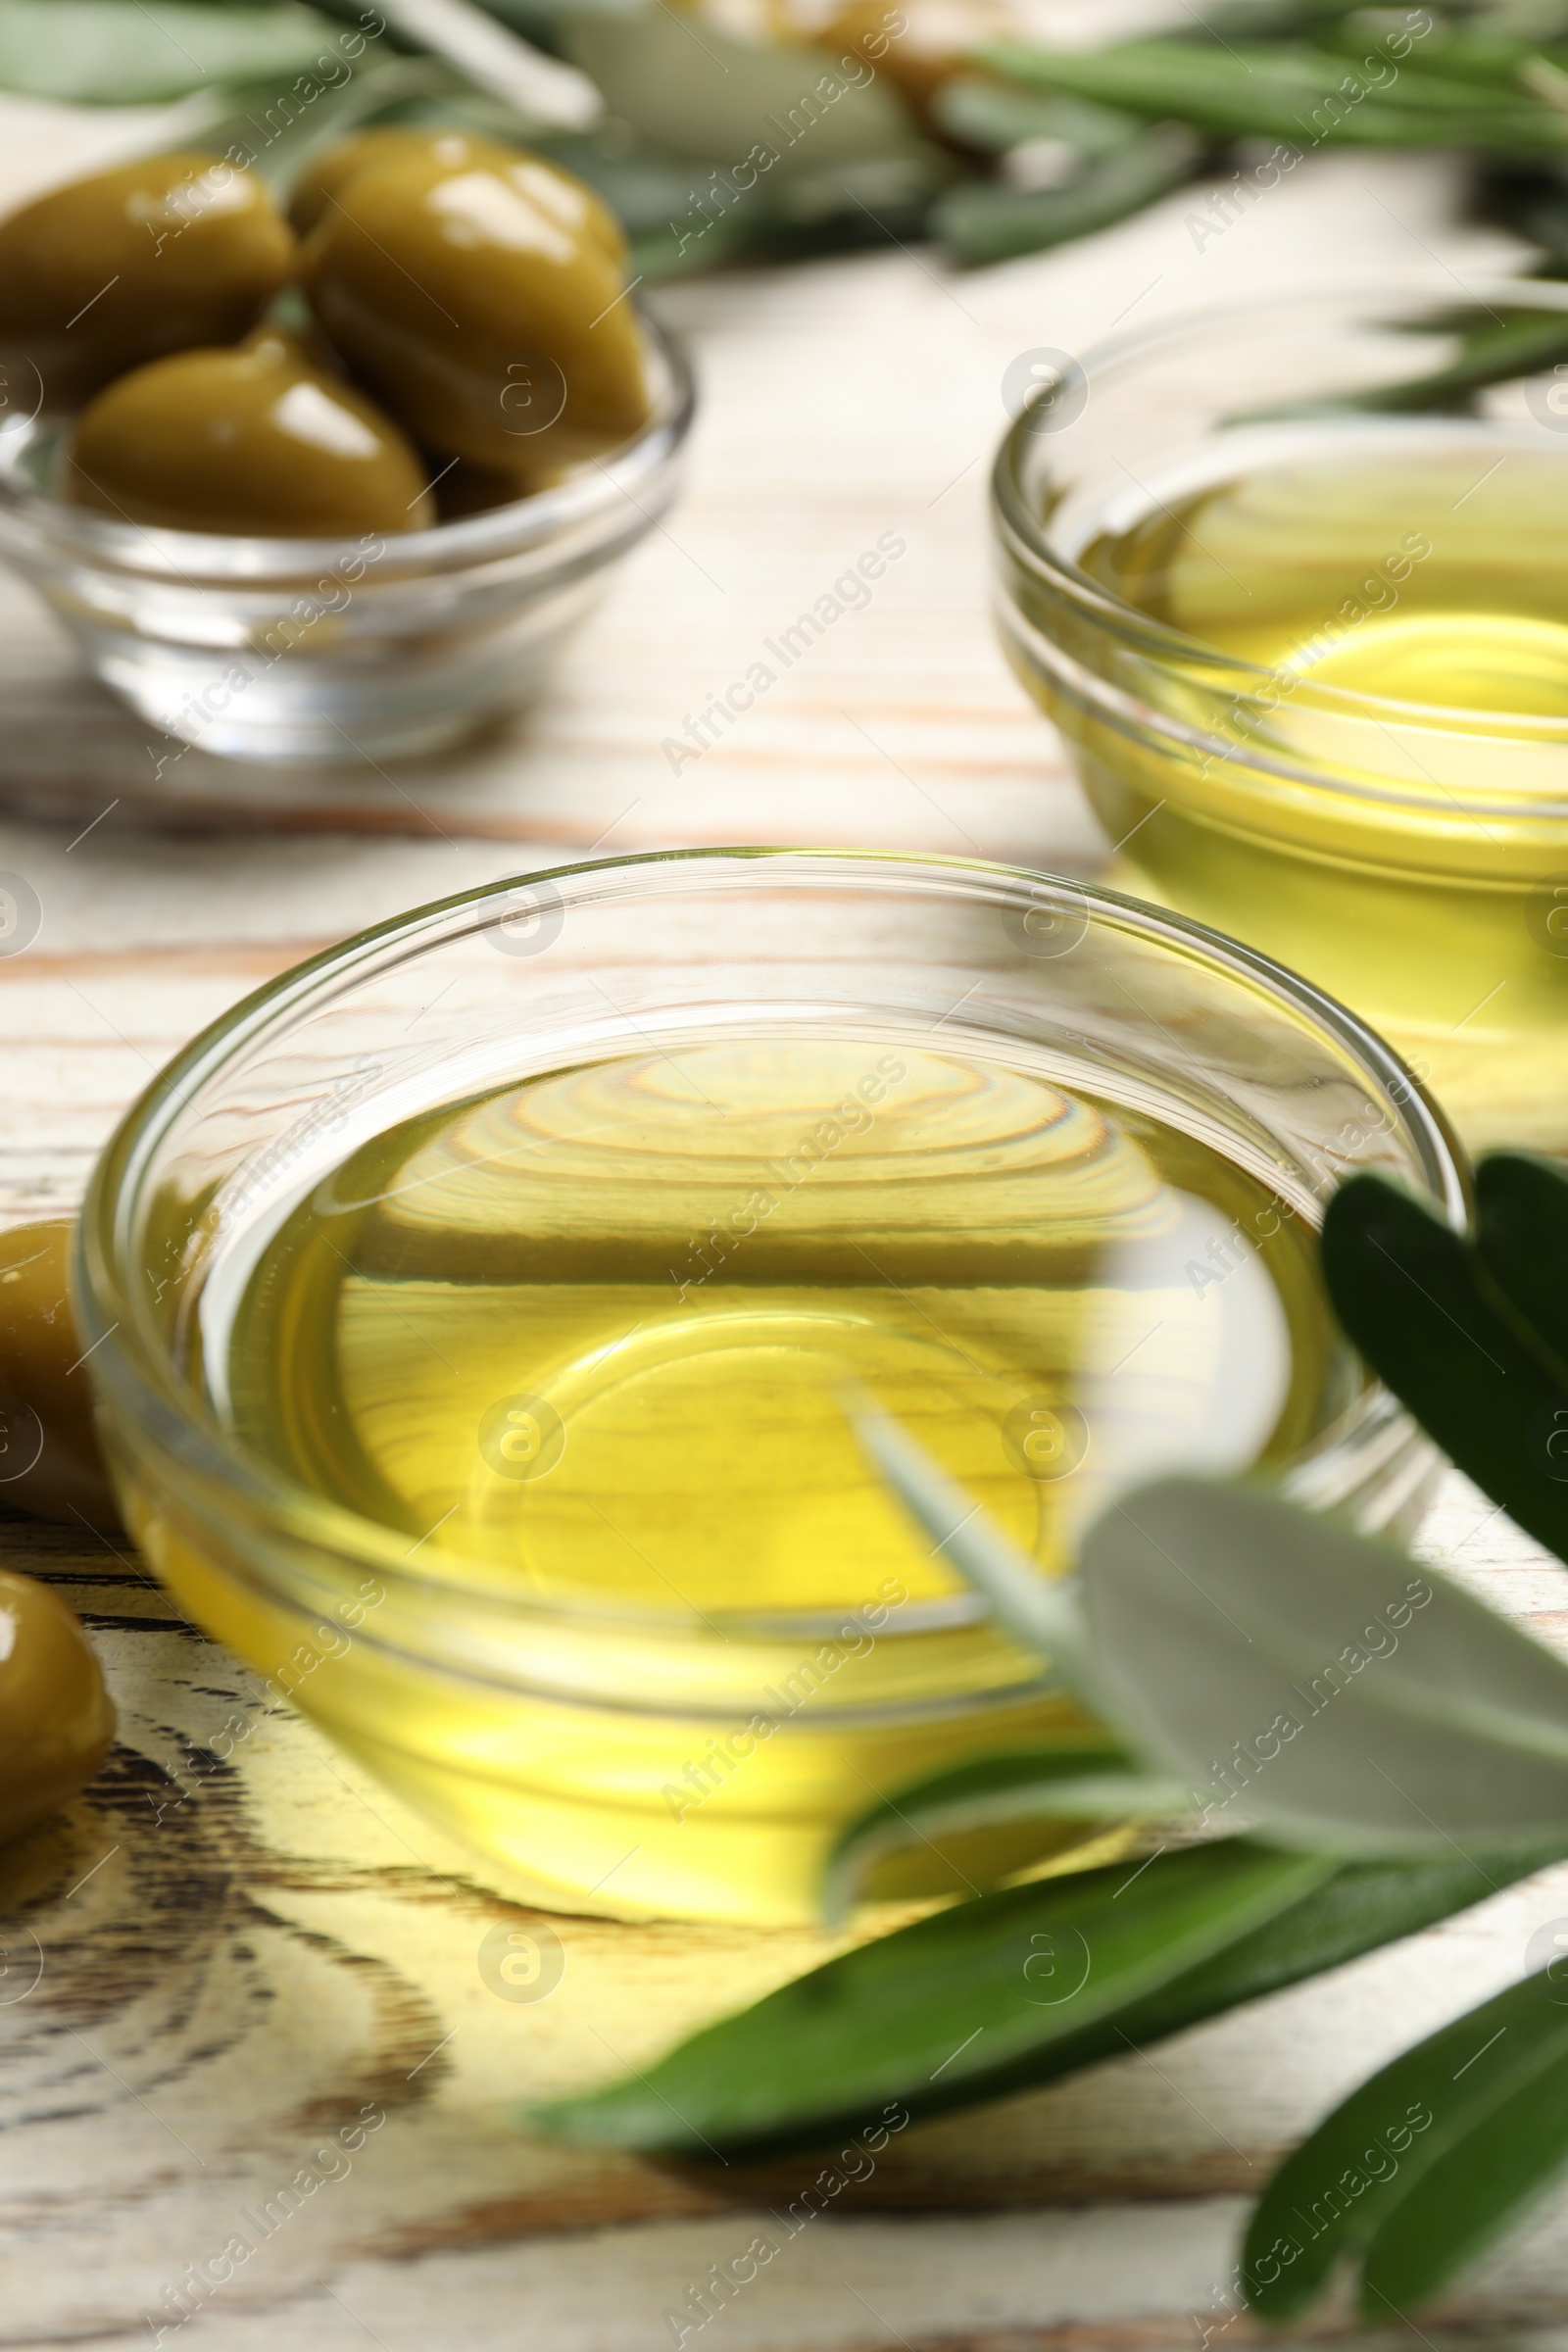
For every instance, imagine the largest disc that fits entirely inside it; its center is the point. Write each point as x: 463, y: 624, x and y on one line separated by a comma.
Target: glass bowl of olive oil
x: 476, y: 1313
x: 1289, y: 576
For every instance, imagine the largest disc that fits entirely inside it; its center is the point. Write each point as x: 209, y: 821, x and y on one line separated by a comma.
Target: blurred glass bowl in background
x: 322, y: 651
x: 1287, y: 575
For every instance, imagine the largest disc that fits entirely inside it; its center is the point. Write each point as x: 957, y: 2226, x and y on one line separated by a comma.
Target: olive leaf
x: 1331, y: 1690
x: 960, y: 2006
x: 1490, y: 53
x: 1289, y: 91
x: 1042, y: 1612
x: 280, y: 128
x: 1363, y: 1907
x: 1345, y: 1696
x: 1436, y: 1324
x: 494, y: 57
x: 980, y: 222
x: 994, y: 116
x: 1494, y: 348
x: 545, y: 22
x: 812, y: 2057
x: 699, y: 92
x: 1522, y: 1234
x: 1255, y: 19
x: 1484, y: 2187
x: 1424, y: 2166
x: 123, y: 53
x: 1091, y: 1780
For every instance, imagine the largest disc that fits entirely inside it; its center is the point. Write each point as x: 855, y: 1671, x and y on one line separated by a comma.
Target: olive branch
x: 993, y: 150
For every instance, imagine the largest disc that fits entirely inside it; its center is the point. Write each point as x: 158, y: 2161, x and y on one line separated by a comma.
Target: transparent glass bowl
x: 331, y: 651
x: 544, y: 1733
x: 1408, y: 855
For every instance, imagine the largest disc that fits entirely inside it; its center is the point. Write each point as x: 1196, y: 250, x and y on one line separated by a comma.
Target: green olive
x: 323, y: 181
x: 56, y: 1718
x: 478, y: 297
x: 110, y: 271
x: 256, y: 441
x: 49, y: 1458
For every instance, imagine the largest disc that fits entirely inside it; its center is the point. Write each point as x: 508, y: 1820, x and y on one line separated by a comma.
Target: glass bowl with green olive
x: 333, y: 485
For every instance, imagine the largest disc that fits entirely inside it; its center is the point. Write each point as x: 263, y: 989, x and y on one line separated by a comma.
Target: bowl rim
x: 222, y: 559
x: 1018, y: 528
x: 130, y: 1362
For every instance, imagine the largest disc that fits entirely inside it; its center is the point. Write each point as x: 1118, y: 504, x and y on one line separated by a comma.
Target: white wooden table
x: 213, y: 1975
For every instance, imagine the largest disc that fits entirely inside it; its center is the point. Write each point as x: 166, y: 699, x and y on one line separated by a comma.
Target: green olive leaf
x: 544, y: 21
x: 962, y: 2006
x: 979, y: 222
x: 1271, y: 19
x: 994, y: 116
x: 1044, y: 1614
x: 126, y: 52
x: 1435, y: 1326
x: 1290, y: 91
x: 1476, y: 2192
x: 1522, y: 1236
x: 279, y: 126
x: 1493, y: 56
x: 1423, y: 2164
x: 492, y: 54
x: 764, y: 113
x: 1342, y: 1694
x: 1090, y: 1781
x: 791, y: 2068
x: 1363, y: 1907
x: 1314, y: 1679
x: 1493, y: 349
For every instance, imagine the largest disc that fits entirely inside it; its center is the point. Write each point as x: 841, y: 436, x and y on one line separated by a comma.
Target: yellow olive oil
x: 1408, y: 853
x: 1426, y: 568
x: 585, y: 1347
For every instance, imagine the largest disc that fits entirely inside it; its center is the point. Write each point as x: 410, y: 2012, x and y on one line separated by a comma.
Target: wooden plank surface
x: 241, y: 1999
